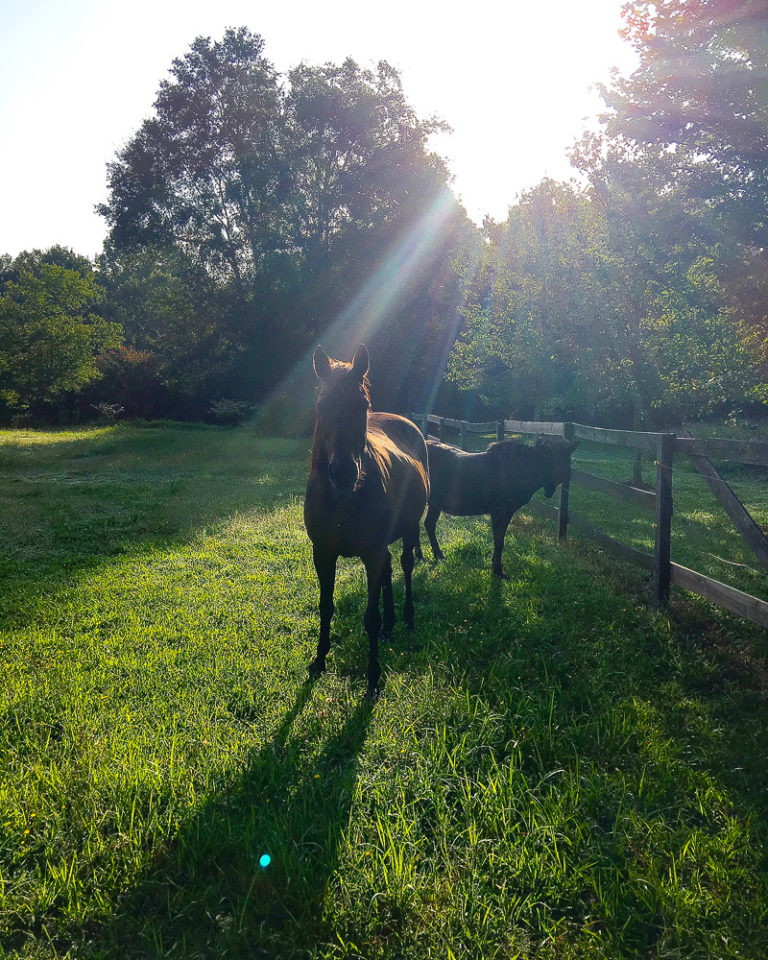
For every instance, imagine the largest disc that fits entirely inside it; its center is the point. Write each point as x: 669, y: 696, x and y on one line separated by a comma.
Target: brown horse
x: 368, y: 485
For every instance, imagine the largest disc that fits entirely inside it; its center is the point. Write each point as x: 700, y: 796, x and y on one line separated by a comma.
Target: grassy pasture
x: 552, y: 770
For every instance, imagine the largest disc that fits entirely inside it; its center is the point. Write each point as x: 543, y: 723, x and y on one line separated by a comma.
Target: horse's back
x: 507, y: 474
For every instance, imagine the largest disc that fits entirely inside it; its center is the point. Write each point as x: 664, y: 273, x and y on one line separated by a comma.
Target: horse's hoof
x: 316, y: 668
x: 499, y: 574
x: 372, y: 694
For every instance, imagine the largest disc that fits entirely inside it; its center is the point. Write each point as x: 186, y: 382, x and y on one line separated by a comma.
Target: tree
x: 534, y: 338
x: 203, y: 173
x: 170, y: 308
x: 698, y: 104
x: 603, y: 304
x: 685, y: 143
x: 241, y: 174
x: 11, y: 268
x: 281, y: 198
x: 49, y: 336
x: 357, y: 153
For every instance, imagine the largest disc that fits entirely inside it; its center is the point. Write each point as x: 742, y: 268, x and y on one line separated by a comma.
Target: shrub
x: 229, y: 412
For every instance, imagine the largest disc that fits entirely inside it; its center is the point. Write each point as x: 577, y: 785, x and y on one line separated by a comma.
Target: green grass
x: 704, y: 538
x: 552, y: 770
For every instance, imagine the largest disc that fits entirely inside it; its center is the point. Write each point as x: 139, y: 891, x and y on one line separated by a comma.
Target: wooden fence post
x: 500, y: 430
x: 562, y: 514
x: 463, y: 434
x: 662, y: 550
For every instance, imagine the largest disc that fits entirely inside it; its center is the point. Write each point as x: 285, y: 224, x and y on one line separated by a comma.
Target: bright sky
x: 512, y: 77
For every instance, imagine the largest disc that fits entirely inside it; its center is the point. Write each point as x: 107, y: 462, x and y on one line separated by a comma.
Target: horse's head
x: 559, y: 455
x: 341, y: 418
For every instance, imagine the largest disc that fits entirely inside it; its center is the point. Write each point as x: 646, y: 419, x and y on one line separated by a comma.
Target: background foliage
x: 253, y: 214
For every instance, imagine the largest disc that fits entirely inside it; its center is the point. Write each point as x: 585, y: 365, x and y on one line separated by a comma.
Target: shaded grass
x: 552, y: 770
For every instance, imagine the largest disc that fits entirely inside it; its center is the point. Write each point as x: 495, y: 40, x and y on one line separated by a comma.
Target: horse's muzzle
x: 343, y: 475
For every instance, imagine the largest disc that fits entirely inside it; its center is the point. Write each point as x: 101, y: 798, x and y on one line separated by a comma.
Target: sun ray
x: 365, y: 313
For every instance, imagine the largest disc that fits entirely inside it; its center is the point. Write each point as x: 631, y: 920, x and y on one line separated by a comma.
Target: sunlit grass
x: 553, y: 769
x: 43, y: 438
x: 704, y: 538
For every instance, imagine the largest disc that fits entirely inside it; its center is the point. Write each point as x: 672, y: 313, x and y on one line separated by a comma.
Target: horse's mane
x: 376, y: 448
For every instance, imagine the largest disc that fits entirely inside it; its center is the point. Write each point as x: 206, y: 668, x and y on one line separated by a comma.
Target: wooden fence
x: 662, y: 447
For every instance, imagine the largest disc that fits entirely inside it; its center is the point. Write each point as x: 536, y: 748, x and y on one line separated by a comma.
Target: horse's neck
x: 523, y: 477
x: 533, y: 477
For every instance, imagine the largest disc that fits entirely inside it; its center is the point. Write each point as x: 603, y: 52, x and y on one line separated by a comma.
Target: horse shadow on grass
x: 245, y: 876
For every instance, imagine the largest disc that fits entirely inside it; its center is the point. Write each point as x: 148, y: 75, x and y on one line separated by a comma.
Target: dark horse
x: 499, y: 482
x: 368, y: 486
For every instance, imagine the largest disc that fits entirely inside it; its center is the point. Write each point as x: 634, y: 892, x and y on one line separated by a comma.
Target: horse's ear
x: 322, y: 363
x: 361, y: 362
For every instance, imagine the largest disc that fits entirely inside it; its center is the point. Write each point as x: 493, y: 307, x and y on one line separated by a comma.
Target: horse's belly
x: 360, y: 527
x: 461, y: 498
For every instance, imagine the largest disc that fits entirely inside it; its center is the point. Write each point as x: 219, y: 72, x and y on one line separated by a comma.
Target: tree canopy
x: 698, y: 103
x: 50, y: 335
x: 641, y: 297
x: 254, y: 213
x: 274, y: 199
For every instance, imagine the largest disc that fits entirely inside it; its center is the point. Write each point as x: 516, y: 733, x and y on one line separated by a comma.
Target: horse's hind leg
x: 325, y: 565
x: 430, y: 523
x: 407, y: 563
x: 372, y: 620
x: 388, y: 602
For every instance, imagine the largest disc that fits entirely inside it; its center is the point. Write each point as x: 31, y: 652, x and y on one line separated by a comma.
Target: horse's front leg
x: 499, y: 522
x: 325, y: 565
x: 374, y: 569
x: 407, y: 563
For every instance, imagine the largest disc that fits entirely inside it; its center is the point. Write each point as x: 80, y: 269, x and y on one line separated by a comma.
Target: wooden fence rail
x: 662, y: 447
